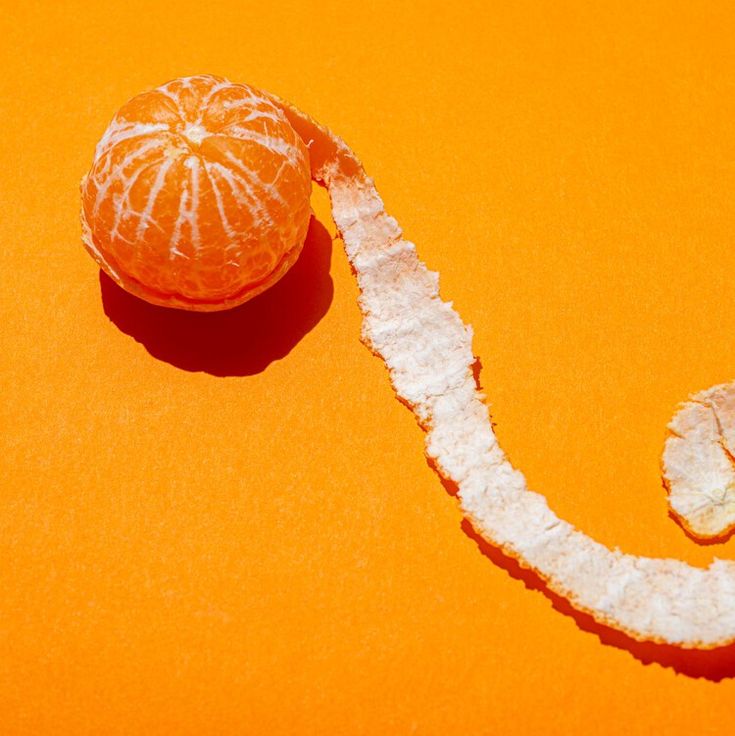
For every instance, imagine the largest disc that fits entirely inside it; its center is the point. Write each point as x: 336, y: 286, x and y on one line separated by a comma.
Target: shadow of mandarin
x: 238, y: 342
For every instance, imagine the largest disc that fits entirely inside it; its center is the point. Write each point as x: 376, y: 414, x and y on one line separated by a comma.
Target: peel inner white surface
x: 428, y: 352
x: 699, y: 463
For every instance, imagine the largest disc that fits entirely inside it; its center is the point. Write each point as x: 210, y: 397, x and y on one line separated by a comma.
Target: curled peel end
x: 698, y: 464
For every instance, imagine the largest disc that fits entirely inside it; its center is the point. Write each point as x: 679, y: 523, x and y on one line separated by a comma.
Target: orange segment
x: 198, y: 196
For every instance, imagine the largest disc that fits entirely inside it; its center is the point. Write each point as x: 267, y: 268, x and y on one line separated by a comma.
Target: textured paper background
x: 225, y: 524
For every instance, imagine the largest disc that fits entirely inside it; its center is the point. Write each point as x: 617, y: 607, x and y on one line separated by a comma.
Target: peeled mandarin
x: 198, y: 196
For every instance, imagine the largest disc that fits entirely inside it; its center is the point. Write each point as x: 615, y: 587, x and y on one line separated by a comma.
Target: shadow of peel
x: 711, y: 664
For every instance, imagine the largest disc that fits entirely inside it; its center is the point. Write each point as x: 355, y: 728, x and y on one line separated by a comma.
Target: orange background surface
x: 225, y: 524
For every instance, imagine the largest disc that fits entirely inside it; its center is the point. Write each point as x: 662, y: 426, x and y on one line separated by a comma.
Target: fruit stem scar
x: 195, y: 133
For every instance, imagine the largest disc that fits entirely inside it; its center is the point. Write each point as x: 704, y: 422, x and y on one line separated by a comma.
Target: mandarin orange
x: 198, y: 196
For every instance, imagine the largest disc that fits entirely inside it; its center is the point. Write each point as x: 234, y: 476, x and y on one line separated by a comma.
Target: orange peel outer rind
x: 428, y: 352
